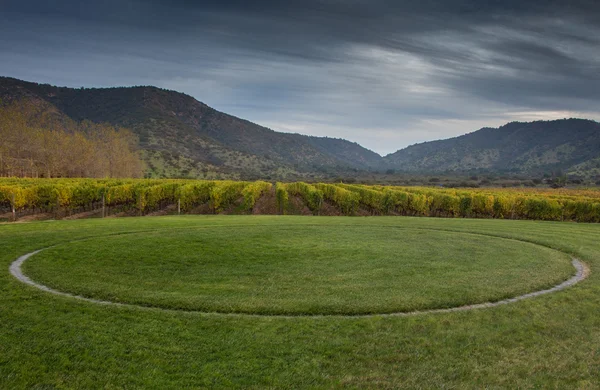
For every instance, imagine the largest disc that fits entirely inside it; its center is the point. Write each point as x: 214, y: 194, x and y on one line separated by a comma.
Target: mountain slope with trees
x: 568, y: 145
x: 180, y: 136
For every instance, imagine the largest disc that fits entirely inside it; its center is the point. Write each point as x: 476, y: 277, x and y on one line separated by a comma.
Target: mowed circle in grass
x: 299, y: 270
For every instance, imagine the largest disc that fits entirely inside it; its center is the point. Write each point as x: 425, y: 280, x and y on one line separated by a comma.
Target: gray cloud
x: 383, y: 73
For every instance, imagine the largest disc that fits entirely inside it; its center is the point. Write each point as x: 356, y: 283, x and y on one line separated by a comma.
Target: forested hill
x: 180, y: 136
x: 568, y: 145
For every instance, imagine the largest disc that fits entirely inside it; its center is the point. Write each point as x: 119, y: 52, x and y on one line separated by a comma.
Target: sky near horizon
x: 383, y: 73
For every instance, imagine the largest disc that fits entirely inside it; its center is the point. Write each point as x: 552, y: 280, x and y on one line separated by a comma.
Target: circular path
x: 582, y: 271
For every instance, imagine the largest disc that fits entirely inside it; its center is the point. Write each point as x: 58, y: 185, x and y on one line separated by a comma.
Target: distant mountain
x: 568, y: 145
x: 181, y: 136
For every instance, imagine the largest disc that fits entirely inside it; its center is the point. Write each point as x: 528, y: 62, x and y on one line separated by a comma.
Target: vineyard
x: 65, y: 197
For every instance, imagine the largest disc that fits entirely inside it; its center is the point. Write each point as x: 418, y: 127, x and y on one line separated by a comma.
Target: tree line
x: 36, y: 140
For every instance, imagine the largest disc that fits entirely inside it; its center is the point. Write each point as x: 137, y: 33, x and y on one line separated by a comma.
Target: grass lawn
x: 291, y: 269
x: 299, y: 266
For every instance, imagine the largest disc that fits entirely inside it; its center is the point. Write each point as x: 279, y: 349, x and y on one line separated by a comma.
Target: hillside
x: 568, y: 145
x: 37, y: 140
x: 180, y: 136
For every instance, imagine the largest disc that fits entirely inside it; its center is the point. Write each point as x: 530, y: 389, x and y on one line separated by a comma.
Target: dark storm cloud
x: 381, y: 72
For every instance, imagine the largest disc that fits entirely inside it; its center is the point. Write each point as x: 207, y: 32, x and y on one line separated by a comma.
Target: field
x: 71, y: 198
x: 299, y: 302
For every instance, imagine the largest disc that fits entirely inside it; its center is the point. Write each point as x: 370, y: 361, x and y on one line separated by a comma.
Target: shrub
x: 223, y: 193
x: 282, y: 198
x: 253, y: 191
x: 309, y: 193
x: 346, y: 200
x: 194, y: 194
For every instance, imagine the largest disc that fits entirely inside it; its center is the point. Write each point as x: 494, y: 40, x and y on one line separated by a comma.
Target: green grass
x: 292, y: 269
x: 46, y: 341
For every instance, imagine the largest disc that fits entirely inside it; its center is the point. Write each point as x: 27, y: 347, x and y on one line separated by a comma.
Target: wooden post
x: 140, y: 203
x: 179, y: 206
x: 103, y: 206
x: 14, y: 212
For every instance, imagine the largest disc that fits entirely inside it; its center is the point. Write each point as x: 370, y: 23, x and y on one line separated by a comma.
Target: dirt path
x: 582, y: 272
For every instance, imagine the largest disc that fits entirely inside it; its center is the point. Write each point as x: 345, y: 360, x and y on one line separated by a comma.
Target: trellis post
x: 140, y: 203
x: 14, y: 212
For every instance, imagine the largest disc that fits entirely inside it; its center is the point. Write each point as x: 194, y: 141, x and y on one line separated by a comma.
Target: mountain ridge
x: 517, y: 147
x: 176, y: 129
x: 183, y: 137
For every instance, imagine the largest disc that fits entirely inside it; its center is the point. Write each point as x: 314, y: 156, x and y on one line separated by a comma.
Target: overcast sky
x: 383, y: 73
